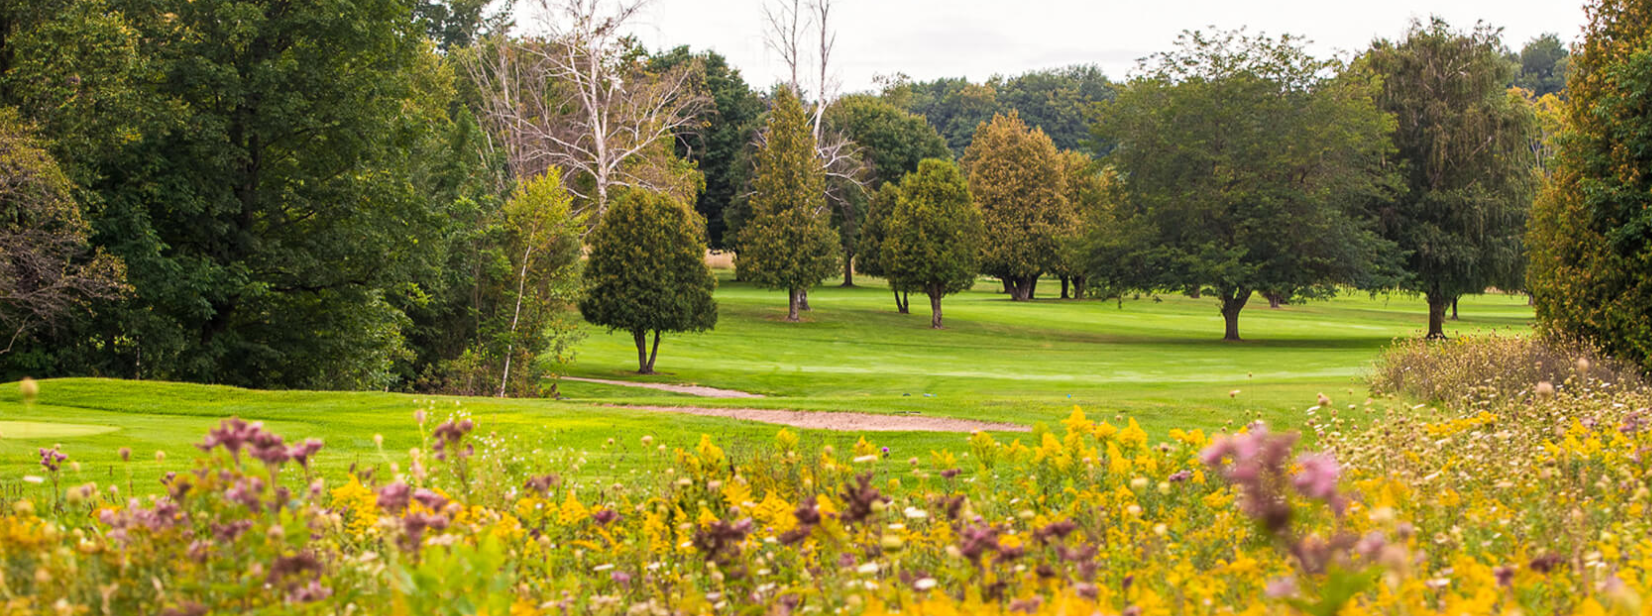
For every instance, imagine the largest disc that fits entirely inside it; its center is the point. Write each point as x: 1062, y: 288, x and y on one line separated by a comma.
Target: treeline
x: 428, y: 195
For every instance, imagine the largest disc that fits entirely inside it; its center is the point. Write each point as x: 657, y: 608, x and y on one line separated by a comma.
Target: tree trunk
x: 1032, y: 286
x: 644, y: 365
x: 1020, y: 289
x: 900, y: 302
x: 1274, y: 300
x: 1080, y: 284
x: 1009, y: 287
x: 516, y: 317
x: 1454, y: 309
x: 803, y: 300
x: 654, y: 354
x: 934, y: 310
x: 849, y: 270
x: 1195, y: 292
x: 1063, y: 287
x: 791, y: 305
x: 1231, y: 307
x: 1437, y: 307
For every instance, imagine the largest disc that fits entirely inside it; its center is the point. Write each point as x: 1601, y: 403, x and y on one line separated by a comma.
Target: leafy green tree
x: 258, y: 186
x: 788, y: 243
x: 47, y: 268
x: 1016, y: 176
x: 716, y: 147
x: 454, y: 24
x: 1061, y: 102
x: 543, y: 248
x: 878, y: 209
x: 1249, y: 166
x: 892, y: 140
x: 955, y: 107
x: 1464, y: 160
x: 1543, y: 63
x: 1087, y: 189
x: 1591, y: 226
x: 647, y: 272
x: 933, y: 238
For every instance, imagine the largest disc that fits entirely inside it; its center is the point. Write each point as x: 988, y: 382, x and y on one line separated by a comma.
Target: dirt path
x: 692, y: 390
x: 846, y: 422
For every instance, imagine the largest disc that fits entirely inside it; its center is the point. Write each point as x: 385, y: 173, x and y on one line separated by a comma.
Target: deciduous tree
x: 1463, y: 152
x: 1249, y: 165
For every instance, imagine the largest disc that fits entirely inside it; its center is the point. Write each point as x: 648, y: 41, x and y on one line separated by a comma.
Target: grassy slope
x: 1159, y: 361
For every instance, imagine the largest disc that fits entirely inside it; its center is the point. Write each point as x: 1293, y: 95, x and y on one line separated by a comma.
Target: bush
x: 1495, y: 368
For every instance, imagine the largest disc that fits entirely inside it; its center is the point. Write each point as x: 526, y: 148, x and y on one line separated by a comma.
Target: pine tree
x: 647, y: 272
x: 1591, y: 227
x: 933, y: 239
x: 788, y: 243
x: 1016, y: 175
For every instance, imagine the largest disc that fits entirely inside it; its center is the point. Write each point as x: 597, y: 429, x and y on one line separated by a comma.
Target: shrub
x: 1496, y: 368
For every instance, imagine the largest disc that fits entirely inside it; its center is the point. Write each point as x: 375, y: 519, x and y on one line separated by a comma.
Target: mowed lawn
x: 1158, y: 360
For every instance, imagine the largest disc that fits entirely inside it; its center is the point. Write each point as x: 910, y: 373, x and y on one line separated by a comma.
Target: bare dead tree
x: 567, y: 98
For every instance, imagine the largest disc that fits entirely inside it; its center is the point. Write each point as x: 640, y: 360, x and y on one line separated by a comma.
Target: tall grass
x: 1496, y: 368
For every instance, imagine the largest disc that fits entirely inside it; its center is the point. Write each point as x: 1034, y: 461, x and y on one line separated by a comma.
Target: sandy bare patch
x: 692, y: 390
x: 845, y: 422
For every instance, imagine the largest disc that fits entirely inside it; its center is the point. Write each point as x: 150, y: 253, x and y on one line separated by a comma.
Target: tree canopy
x: 788, y: 243
x: 1016, y: 176
x: 1247, y: 164
x: 1464, y: 164
x: 932, y: 241
x: 647, y: 272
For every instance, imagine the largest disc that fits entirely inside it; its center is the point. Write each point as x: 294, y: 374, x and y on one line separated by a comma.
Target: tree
x: 576, y: 98
x: 788, y: 243
x: 1249, y: 166
x: 1087, y: 190
x: 954, y: 106
x: 1542, y: 66
x: 544, y: 253
x: 47, y: 269
x: 1463, y: 157
x: 1016, y: 176
x: 1061, y: 102
x: 891, y: 142
x: 717, y: 146
x: 647, y: 272
x: 878, y: 210
x: 933, y: 239
x: 1589, y: 233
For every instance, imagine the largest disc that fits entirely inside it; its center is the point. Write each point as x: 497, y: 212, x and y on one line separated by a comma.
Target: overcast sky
x: 926, y: 39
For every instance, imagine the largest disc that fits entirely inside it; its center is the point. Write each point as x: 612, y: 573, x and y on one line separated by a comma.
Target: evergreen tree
x: 1464, y: 162
x: 647, y: 272
x: 870, y: 262
x: 788, y: 243
x: 1591, y: 227
x: 932, y: 242
x: 1017, y: 177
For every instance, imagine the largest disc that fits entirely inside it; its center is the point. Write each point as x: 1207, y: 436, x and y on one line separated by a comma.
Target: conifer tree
x: 647, y: 272
x: 933, y: 239
x: 788, y: 243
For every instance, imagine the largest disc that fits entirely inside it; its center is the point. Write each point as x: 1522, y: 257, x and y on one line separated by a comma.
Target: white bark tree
x: 566, y: 97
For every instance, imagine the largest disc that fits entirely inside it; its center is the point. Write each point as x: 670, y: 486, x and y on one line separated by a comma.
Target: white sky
x: 927, y: 39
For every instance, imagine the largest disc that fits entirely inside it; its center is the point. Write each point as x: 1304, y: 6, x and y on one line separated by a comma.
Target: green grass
x: 1157, y: 360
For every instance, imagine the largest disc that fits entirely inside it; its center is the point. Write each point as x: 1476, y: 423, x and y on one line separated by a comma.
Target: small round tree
x: 647, y: 272
x: 932, y: 241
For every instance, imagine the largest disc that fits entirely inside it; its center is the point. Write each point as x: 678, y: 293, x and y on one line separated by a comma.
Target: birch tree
x: 568, y: 97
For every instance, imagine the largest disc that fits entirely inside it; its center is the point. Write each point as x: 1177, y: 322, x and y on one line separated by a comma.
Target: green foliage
x: 47, y: 270
x: 893, y: 140
x: 717, y: 147
x: 932, y: 238
x: 788, y: 243
x: 1463, y: 151
x: 1058, y: 101
x: 647, y: 271
x: 1247, y: 165
x: 542, y: 249
x: 1591, y: 227
x: 1017, y: 177
x: 1543, y: 63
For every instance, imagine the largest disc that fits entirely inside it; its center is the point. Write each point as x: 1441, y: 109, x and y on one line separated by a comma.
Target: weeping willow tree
x: 1466, y: 179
